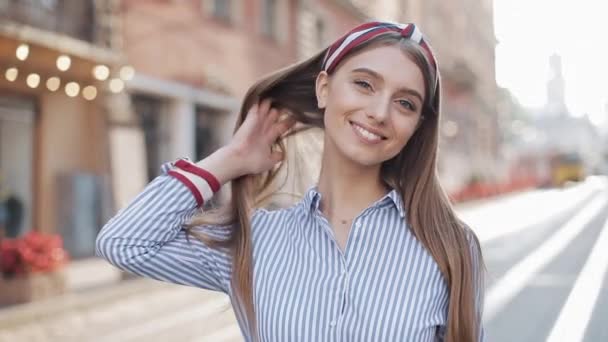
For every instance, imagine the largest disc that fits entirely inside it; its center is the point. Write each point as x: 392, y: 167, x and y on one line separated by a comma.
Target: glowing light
x: 127, y: 72
x: 11, y: 74
x: 53, y: 83
x: 101, y: 72
x: 89, y: 93
x: 72, y: 89
x: 116, y: 85
x: 63, y: 62
x: 23, y: 50
x: 33, y: 80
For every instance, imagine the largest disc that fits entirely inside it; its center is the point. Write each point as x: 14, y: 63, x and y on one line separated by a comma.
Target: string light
x: 116, y: 85
x: 89, y: 93
x: 23, y: 50
x: 53, y: 83
x: 72, y: 89
x: 63, y: 62
x: 127, y: 72
x: 33, y: 80
x: 101, y: 72
x: 11, y: 74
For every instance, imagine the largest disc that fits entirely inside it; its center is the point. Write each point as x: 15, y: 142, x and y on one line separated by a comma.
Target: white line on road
x: 493, y: 220
x: 519, y: 275
x: 576, y: 313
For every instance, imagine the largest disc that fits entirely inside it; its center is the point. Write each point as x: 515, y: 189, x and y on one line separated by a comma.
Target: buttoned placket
x: 343, y: 282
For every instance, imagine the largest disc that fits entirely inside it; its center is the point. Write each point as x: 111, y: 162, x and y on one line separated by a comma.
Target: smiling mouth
x: 365, y: 134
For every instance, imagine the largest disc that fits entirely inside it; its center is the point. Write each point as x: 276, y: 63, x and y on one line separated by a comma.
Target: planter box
x: 31, y: 287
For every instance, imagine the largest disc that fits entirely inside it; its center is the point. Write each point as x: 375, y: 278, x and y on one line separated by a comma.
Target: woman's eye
x: 363, y: 84
x: 407, y: 105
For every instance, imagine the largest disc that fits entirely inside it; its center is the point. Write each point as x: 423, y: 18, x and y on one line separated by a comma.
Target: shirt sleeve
x: 147, y: 237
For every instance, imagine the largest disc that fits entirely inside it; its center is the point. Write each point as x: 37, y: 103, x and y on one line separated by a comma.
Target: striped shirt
x: 384, y: 286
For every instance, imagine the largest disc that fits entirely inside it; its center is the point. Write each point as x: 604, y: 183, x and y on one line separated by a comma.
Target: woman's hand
x: 250, y: 149
x: 254, y: 139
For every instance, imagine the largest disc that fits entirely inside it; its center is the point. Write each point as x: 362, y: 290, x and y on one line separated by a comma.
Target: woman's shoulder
x: 274, y: 214
x: 470, y: 234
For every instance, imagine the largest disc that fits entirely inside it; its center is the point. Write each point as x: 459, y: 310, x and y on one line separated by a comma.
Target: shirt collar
x: 312, y: 199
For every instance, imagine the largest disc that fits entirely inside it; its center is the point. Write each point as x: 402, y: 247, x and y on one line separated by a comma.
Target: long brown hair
x: 412, y: 172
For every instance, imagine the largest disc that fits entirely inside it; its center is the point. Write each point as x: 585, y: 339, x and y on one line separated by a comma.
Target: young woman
x: 373, y: 252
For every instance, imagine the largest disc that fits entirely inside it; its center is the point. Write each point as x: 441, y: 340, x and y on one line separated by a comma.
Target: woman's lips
x: 365, y: 135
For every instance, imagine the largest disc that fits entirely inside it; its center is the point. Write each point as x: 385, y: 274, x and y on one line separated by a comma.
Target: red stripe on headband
x: 406, y: 32
x: 339, y: 42
x: 362, y: 38
x: 429, y: 52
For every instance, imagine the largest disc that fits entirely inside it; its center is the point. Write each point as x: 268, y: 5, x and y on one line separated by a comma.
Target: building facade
x: 53, y: 155
x: 94, y: 96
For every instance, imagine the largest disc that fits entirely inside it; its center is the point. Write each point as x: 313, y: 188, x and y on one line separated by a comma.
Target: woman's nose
x: 379, y: 110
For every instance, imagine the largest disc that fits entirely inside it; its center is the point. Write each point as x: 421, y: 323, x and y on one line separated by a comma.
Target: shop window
x: 227, y: 11
x: 207, y: 134
x: 151, y: 112
x: 320, y: 32
x: 269, y: 18
x: 222, y: 9
x: 16, y: 165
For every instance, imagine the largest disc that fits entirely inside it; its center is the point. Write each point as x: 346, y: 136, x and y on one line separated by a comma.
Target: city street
x: 546, y: 261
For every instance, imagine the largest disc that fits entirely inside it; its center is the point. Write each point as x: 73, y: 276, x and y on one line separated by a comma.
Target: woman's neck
x: 348, y: 188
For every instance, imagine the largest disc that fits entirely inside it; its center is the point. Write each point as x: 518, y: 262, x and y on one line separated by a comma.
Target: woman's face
x: 373, y: 104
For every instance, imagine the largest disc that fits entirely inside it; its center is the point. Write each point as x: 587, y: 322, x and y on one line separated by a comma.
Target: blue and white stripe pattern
x: 384, y: 287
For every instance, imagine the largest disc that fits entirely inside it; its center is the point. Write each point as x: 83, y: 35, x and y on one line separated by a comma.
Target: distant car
x: 567, y: 167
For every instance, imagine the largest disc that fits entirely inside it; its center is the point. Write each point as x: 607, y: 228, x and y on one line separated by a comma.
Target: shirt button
x: 333, y: 323
x: 358, y: 224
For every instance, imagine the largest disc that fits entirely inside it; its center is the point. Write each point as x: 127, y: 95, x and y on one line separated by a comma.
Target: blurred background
x: 96, y: 94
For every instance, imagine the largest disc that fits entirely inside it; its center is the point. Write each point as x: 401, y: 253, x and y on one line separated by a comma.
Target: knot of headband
x: 367, y: 31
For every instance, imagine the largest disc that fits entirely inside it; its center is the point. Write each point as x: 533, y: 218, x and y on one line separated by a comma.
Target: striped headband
x: 367, y: 31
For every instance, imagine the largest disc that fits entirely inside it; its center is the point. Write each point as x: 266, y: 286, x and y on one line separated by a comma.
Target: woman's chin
x: 365, y: 159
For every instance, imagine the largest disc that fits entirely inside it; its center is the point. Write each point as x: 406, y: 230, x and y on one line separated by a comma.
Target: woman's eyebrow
x: 376, y: 75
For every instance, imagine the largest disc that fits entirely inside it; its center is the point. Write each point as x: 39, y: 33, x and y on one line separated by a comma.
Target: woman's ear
x: 321, y: 89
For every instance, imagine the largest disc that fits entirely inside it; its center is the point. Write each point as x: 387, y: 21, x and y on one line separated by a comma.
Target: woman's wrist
x: 224, y: 164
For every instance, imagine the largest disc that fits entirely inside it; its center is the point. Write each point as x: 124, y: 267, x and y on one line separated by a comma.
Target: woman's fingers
x: 271, y: 119
x: 263, y: 108
x: 282, y: 127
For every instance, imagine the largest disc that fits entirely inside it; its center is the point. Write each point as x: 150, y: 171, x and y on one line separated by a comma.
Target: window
x: 149, y: 111
x: 206, y: 131
x: 207, y: 139
x: 311, y: 32
x: 319, y: 33
x: 269, y: 18
x: 222, y: 9
x: 17, y: 117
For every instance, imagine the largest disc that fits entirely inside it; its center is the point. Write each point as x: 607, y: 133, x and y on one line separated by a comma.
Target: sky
x: 529, y: 31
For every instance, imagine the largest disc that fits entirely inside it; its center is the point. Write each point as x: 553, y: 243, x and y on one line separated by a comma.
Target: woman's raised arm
x: 147, y: 237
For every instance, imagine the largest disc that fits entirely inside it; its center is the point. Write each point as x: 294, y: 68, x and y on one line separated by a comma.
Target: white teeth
x: 367, y: 134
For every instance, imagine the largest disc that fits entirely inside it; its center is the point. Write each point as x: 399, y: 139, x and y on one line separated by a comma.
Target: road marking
x: 521, y: 273
x: 489, y: 221
x: 576, y: 313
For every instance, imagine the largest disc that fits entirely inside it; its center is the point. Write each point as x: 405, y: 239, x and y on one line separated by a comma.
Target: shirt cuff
x: 201, y: 183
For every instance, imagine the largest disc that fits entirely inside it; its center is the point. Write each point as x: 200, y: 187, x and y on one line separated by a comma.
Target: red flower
x: 34, y: 252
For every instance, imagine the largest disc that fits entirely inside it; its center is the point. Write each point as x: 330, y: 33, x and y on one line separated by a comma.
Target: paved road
x: 548, y: 281
x: 546, y: 255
